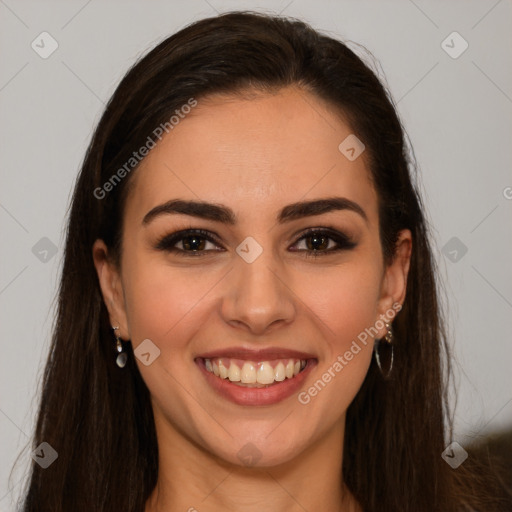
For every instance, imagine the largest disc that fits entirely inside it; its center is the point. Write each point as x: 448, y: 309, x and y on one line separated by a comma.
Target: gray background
x: 457, y: 113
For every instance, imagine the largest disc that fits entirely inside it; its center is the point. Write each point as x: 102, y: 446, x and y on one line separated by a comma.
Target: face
x: 267, y: 271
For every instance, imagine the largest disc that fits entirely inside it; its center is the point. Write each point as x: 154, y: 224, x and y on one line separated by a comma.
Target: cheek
x: 160, y: 300
x: 345, y: 299
x: 346, y: 302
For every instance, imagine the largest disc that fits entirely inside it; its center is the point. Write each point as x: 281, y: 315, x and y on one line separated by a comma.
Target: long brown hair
x: 99, y: 418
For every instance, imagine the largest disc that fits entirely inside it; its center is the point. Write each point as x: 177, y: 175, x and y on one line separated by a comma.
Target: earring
x: 121, y: 357
x: 384, y: 352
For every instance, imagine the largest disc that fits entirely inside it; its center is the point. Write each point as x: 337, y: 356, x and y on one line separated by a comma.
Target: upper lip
x: 264, y: 354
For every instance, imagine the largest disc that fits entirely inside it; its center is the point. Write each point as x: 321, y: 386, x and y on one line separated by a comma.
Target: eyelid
x: 342, y: 240
x: 325, y: 229
x: 168, y: 241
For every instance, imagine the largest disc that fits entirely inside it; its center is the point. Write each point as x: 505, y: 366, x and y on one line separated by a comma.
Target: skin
x: 255, y: 155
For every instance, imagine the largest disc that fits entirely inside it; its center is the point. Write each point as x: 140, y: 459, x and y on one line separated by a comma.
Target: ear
x: 394, y: 282
x: 111, y: 288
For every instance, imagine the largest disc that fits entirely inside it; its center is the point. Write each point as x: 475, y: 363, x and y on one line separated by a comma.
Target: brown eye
x: 317, y: 242
x: 193, y: 242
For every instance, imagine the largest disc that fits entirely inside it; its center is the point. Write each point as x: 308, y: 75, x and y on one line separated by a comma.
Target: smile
x: 254, y: 374
x: 261, y: 377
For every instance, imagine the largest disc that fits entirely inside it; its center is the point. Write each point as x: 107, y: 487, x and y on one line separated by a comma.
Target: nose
x: 257, y: 297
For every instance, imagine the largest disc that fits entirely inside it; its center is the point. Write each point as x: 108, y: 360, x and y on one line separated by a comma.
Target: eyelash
x: 168, y: 242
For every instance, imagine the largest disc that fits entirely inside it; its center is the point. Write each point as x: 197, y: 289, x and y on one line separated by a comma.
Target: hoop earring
x: 122, y: 356
x: 384, y: 353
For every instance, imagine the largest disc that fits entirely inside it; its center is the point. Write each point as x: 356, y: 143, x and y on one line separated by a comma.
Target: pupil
x: 317, y: 242
x: 193, y: 243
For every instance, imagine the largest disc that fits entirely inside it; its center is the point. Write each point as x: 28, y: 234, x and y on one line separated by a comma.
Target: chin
x: 261, y: 451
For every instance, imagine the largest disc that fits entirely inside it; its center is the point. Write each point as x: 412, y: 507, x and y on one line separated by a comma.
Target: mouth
x: 254, y: 374
x: 256, y: 378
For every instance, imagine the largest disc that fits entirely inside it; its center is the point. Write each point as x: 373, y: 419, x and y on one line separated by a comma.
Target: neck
x: 194, y: 480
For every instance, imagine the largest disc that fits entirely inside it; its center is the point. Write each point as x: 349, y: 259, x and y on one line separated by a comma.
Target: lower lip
x: 256, y: 396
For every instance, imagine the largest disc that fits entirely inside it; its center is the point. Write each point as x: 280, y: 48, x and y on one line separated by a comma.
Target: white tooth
x: 296, y: 368
x: 223, y: 371
x: 265, y: 373
x: 208, y: 365
x: 248, y: 374
x: 215, y: 368
x: 234, y: 373
x: 279, y: 372
x: 289, y: 369
x: 302, y: 364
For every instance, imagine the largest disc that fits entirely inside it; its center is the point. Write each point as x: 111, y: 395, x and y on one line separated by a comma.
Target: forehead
x: 261, y: 151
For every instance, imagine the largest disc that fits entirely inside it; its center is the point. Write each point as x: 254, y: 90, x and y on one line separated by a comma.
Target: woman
x: 248, y: 316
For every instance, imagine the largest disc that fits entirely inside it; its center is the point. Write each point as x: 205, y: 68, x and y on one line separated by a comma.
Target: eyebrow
x: 225, y: 215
